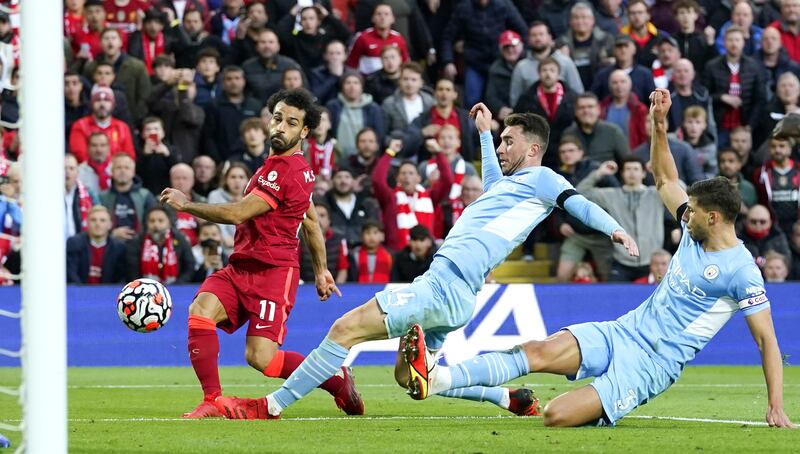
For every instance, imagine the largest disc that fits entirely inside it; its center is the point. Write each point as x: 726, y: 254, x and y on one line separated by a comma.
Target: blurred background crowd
x: 172, y: 93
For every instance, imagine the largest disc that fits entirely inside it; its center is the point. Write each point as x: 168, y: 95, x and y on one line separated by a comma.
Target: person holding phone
x: 155, y: 157
x: 172, y: 99
x: 209, y: 255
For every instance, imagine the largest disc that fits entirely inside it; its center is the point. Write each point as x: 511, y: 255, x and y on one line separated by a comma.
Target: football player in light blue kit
x: 519, y: 194
x: 641, y: 354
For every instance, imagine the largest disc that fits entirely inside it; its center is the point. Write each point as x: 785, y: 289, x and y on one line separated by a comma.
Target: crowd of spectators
x: 172, y: 93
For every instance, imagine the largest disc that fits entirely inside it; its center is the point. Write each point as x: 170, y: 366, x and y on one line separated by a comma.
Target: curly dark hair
x: 299, y: 98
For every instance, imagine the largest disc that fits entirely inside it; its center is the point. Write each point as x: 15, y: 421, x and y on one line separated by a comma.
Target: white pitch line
x: 386, y: 385
x: 719, y: 421
x: 406, y: 418
x: 321, y: 418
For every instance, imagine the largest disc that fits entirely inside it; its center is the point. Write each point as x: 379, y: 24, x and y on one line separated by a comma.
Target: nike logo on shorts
x: 260, y: 326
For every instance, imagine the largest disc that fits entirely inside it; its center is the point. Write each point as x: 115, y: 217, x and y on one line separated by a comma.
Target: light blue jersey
x: 503, y: 217
x: 443, y: 299
x: 700, y: 292
x: 641, y: 354
x: 500, y: 220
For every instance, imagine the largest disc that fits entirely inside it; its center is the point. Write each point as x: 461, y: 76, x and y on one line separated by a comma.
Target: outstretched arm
x: 664, y: 169
x: 316, y: 244
x: 221, y: 213
x: 595, y: 217
x: 763, y: 332
x: 490, y: 168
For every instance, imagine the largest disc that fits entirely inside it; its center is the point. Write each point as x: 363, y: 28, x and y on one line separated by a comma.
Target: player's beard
x: 698, y: 233
x: 513, y: 168
x: 281, y: 145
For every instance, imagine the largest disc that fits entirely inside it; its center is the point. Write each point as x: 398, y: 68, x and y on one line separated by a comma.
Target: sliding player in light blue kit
x: 519, y: 194
x: 641, y: 354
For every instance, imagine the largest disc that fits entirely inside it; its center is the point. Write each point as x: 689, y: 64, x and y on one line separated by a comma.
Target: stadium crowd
x: 172, y: 92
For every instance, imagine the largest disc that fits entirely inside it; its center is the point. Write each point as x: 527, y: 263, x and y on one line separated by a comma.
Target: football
x: 144, y: 305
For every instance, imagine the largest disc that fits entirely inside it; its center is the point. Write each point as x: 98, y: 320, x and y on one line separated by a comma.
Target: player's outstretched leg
x: 418, y: 362
x: 341, y: 385
x: 361, y: 324
x: 520, y: 401
x: 204, y: 314
x: 238, y: 408
x: 575, y: 408
x: 558, y: 354
x: 413, y: 369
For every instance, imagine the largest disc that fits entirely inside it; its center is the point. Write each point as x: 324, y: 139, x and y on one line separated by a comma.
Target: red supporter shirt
x: 552, y: 105
x: 96, y: 254
x: 365, y: 54
x: 118, y: 133
x: 286, y: 184
x: 84, y: 36
x: 187, y: 224
x: 124, y: 17
x: 343, y: 258
x: 72, y: 24
x: 790, y: 41
x: 438, y: 119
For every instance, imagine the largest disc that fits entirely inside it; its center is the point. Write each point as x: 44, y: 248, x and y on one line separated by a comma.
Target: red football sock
x: 285, y: 362
x: 203, y: 352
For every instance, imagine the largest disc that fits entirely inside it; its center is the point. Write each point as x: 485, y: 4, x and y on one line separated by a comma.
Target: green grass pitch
x: 711, y: 409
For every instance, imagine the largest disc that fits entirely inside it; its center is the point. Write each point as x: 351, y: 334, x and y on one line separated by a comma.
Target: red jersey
x: 187, y: 225
x: 73, y: 24
x: 88, y: 38
x: 96, y: 258
x: 790, y: 40
x: 118, y: 133
x: 286, y: 184
x: 365, y: 54
x: 438, y: 119
x: 124, y: 17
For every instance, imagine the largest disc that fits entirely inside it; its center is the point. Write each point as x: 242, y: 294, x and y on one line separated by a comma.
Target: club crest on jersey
x: 711, y: 272
x: 272, y: 176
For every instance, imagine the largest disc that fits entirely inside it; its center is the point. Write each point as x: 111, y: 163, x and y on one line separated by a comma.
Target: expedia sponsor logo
x: 268, y: 184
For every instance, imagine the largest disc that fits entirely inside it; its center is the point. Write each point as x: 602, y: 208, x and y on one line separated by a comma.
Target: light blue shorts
x: 626, y: 375
x: 439, y: 300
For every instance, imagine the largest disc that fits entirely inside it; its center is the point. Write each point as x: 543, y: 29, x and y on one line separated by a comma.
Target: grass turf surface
x: 138, y: 410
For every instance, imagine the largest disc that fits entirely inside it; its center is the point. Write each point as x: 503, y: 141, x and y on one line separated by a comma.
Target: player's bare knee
x: 535, y: 352
x: 197, y: 308
x: 258, y: 359
x: 343, y: 331
x: 208, y: 306
x: 554, y: 415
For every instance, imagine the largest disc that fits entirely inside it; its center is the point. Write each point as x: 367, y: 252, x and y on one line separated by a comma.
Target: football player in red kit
x: 260, y: 282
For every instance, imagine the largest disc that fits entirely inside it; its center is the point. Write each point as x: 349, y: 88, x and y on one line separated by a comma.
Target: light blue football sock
x: 494, y: 394
x: 320, y: 365
x: 490, y: 369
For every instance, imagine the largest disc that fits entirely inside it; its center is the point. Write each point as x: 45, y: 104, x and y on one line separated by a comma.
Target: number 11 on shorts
x: 263, y: 311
